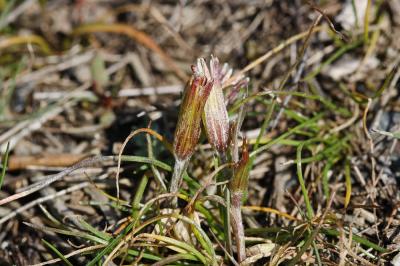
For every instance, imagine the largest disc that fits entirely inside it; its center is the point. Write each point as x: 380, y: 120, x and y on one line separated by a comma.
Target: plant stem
x: 237, y: 224
x: 224, y: 211
x: 227, y: 221
x: 138, y: 196
x: 177, y: 176
x: 310, y: 212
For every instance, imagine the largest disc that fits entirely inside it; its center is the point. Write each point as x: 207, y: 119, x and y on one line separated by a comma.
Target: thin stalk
x: 225, y: 213
x: 310, y: 212
x: 237, y: 126
x: 155, y: 171
x: 138, y: 196
x: 237, y: 224
x: 353, y: 5
x: 227, y: 220
x: 325, y: 181
x: 317, y: 256
x: 283, y: 83
x: 366, y: 22
x: 5, y: 162
x: 177, y: 176
x: 333, y: 57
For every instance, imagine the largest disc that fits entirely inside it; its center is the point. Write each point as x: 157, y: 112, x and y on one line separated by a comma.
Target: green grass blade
x: 310, y: 212
x: 356, y: 238
x: 332, y: 58
x: 58, y: 253
x: 93, y: 230
x: 68, y: 233
x: 138, y: 196
x: 141, y: 159
x: 308, y: 123
x: 192, y: 250
x: 4, y: 165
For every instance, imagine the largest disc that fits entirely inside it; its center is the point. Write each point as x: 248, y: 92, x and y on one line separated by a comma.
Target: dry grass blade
x: 57, y: 160
x: 41, y: 200
x: 207, y: 182
x: 136, y: 35
x: 274, y: 51
x: 76, y: 252
x: 133, y: 134
x: 270, y: 210
x: 53, y: 178
x: 26, y: 39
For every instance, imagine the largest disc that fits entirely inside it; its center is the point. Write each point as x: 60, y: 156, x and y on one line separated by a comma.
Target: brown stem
x: 237, y: 224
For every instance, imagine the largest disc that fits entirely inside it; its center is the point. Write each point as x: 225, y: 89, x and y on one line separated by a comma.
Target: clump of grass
x: 208, y: 227
x: 153, y: 232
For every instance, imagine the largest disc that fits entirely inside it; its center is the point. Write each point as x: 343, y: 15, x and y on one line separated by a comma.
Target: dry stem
x: 237, y: 224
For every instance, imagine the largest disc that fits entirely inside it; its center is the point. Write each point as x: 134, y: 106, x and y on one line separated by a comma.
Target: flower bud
x: 215, y: 116
x: 240, y: 180
x: 188, y: 128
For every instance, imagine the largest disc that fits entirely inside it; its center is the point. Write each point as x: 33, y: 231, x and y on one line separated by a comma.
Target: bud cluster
x: 204, y: 101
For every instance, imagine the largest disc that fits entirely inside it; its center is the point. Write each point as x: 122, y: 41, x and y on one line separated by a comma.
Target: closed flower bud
x: 215, y: 116
x: 240, y: 180
x: 188, y: 128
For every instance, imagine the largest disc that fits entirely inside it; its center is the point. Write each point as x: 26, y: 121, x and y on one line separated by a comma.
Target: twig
x: 127, y: 92
x: 331, y: 26
x: 72, y: 62
x: 295, y: 82
x: 43, y: 199
x: 65, y: 160
x: 268, y: 115
x: 365, y: 127
x: 348, y: 123
x: 136, y: 35
x: 51, y: 179
x: 133, y: 92
x: 274, y: 51
x: 232, y: 259
x: 25, y: 127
